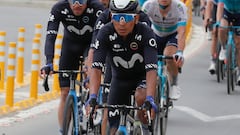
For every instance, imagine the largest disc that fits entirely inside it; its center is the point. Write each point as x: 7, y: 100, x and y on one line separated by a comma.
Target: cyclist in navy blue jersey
x: 78, y: 18
x: 132, y: 51
x: 103, y: 19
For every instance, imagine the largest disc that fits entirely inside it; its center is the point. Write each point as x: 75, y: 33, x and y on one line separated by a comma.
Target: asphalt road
x: 204, y: 108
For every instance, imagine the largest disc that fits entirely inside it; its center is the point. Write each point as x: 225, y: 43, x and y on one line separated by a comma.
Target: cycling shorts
x: 162, y: 42
x: 69, y: 60
x: 120, y: 94
x: 234, y: 18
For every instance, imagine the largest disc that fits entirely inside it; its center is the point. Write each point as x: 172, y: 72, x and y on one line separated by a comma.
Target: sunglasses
x: 123, y: 16
x: 80, y: 2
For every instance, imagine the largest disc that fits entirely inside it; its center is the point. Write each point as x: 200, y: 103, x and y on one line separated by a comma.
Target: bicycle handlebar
x: 164, y: 57
x: 69, y: 72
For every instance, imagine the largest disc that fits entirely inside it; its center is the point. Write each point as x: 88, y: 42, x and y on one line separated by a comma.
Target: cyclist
x: 103, y: 19
x: 210, y: 19
x: 169, y: 24
x: 78, y: 18
x: 132, y: 51
x: 229, y: 12
x: 196, y: 7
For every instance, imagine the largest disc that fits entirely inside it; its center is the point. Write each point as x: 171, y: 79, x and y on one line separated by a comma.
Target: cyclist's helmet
x: 124, y: 6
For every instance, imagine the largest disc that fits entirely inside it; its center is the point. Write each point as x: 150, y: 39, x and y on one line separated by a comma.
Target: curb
x: 28, y: 103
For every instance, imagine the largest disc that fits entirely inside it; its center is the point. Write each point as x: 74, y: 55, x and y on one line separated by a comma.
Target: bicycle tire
x: 164, y: 119
x: 68, y: 120
x: 161, y: 118
x: 229, y: 70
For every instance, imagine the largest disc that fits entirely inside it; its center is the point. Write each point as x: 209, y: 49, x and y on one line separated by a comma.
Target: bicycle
x: 162, y: 98
x: 74, y: 119
x: 230, y: 62
x: 128, y: 124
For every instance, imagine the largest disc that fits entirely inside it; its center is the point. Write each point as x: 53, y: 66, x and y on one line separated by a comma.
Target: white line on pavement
x: 204, y: 117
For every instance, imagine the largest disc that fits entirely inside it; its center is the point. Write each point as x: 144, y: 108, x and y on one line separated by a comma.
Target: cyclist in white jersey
x: 168, y: 19
x: 229, y: 12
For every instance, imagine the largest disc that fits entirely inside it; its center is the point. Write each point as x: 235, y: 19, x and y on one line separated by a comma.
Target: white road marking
x: 204, y: 117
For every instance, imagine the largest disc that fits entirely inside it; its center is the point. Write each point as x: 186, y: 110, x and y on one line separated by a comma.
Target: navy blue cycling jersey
x: 105, y: 17
x: 129, y: 58
x: 77, y: 29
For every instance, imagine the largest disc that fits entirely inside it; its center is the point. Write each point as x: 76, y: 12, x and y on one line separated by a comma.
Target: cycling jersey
x: 104, y: 18
x: 77, y: 29
x: 129, y: 59
x: 232, y: 6
x: 164, y: 26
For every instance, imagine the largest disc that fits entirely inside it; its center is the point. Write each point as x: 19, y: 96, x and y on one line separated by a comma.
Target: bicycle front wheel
x: 163, y: 101
x: 69, y: 120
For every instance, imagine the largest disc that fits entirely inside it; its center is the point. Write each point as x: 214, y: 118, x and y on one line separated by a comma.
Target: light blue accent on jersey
x: 141, y: 2
x: 165, y: 29
x: 233, y: 6
x: 182, y: 24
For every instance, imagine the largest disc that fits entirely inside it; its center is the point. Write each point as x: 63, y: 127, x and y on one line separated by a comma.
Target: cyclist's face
x: 78, y: 9
x: 124, y: 26
x: 164, y: 2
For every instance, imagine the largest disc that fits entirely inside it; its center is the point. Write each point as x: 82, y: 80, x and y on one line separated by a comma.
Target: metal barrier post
x: 11, y: 74
x: 35, y: 68
x: 2, y: 59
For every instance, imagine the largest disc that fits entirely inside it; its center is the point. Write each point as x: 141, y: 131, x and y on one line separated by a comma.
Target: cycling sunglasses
x: 123, y: 16
x: 80, y: 2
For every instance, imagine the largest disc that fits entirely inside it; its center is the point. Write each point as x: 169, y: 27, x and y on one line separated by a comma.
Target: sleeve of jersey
x: 98, y: 25
x: 150, y: 50
x: 100, y: 51
x: 182, y: 10
x: 52, y: 30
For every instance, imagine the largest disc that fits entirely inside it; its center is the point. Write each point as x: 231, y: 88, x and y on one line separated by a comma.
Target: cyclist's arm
x: 220, y: 11
x: 52, y: 30
x: 181, y: 30
x: 151, y: 78
x: 208, y: 12
x: 181, y: 37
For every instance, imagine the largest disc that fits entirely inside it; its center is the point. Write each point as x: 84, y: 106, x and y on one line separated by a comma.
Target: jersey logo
x: 113, y: 37
x: 65, y: 11
x: 153, y: 43
x: 51, y: 18
x: 99, y: 25
x: 89, y: 10
x: 115, y: 113
x: 138, y: 37
x: 127, y: 64
x: 80, y: 32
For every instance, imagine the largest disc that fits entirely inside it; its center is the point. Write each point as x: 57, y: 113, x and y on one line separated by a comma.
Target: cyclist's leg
x: 107, y: 80
x: 140, y: 96
x: 237, y: 43
x: 212, y: 67
x: 65, y: 64
x: 170, y: 49
x: 223, y: 35
x: 120, y: 94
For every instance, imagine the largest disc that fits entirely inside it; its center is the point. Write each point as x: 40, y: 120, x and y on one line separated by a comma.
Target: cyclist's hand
x: 46, y: 69
x: 149, y: 104
x: 179, y: 59
x: 91, y: 103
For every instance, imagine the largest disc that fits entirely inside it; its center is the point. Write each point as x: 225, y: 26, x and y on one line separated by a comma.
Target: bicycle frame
x: 162, y: 78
